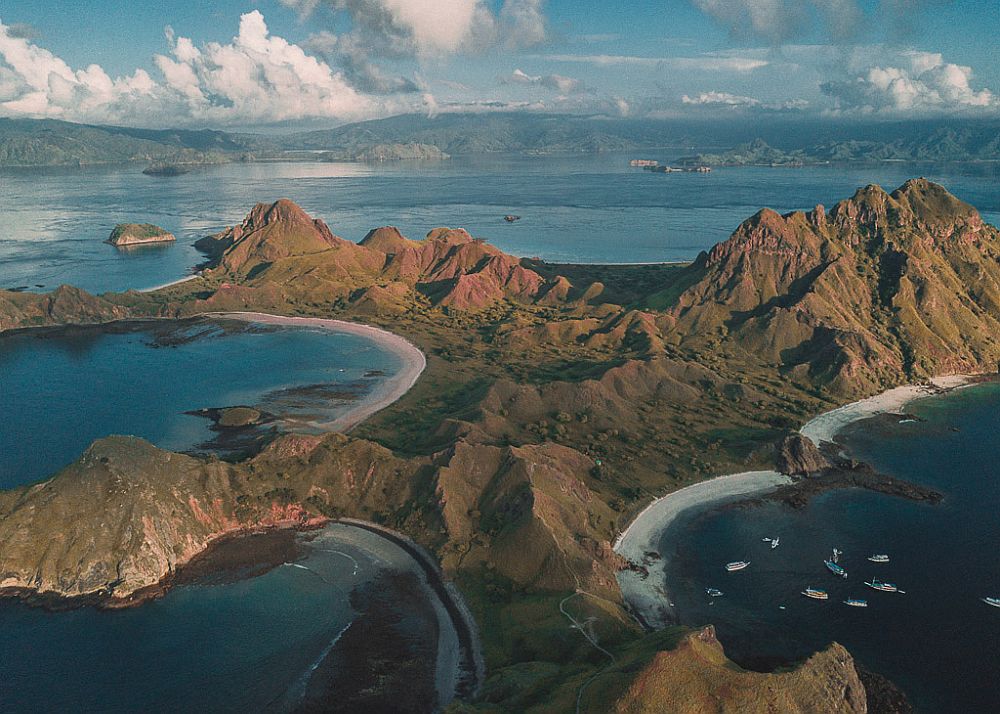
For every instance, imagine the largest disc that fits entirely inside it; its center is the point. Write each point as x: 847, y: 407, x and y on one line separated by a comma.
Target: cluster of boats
x: 833, y: 565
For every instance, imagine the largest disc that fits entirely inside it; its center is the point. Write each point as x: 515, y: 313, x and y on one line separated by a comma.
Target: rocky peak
x: 388, y: 240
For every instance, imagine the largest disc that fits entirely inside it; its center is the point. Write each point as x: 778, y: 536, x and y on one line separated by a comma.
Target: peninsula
x: 557, y: 402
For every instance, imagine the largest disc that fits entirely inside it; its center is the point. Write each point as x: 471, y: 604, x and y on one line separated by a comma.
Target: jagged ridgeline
x: 556, y: 400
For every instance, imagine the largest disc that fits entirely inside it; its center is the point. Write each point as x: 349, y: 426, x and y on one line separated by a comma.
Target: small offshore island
x: 130, y: 234
x: 557, y: 402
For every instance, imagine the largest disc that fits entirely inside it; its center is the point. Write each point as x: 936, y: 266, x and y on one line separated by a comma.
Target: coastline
x: 388, y: 392
x: 825, y: 426
x: 646, y: 594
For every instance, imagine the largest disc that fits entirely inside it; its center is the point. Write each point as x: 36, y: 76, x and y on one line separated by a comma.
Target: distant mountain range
x: 28, y: 142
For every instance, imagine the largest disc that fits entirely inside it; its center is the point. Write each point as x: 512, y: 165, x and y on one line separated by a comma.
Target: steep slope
x: 883, y: 285
x: 696, y: 677
x: 279, y: 246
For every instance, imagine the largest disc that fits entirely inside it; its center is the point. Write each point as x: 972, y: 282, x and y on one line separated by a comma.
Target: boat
x: 775, y: 542
x: 879, y: 558
x: 994, y: 601
x: 856, y: 602
x: 876, y: 584
x: 816, y: 594
x: 737, y: 565
x: 713, y: 592
x: 836, y: 555
x: 835, y: 569
x: 511, y: 218
x: 766, y: 540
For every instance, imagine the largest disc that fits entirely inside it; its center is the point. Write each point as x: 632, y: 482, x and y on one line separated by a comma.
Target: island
x: 129, y: 234
x: 558, y: 401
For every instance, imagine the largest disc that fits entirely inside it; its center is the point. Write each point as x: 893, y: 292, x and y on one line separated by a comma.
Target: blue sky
x: 294, y: 63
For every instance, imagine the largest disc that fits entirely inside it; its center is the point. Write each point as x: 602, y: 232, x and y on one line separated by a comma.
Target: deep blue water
x: 938, y: 641
x: 60, y: 390
x: 590, y: 209
x: 218, y: 645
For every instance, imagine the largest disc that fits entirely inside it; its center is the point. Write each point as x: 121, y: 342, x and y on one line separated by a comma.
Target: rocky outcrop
x: 64, y: 305
x: 799, y: 456
x: 128, y: 234
x: 697, y: 677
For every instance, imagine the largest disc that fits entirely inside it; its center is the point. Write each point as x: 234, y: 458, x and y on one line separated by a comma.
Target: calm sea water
x: 208, y: 647
x: 220, y: 646
x: 590, y: 209
x: 938, y: 641
x: 60, y: 390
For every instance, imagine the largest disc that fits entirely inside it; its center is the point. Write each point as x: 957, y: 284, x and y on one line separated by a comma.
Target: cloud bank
x: 923, y: 83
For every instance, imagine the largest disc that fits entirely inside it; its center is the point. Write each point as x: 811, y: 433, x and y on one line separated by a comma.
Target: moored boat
x: 737, y: 565
x: 713, y: 592
x: 994, y: 601
x: 879, y: 558
x: 816, y: 594
x: 876, y: 584
x: 835, y: 569
x: 856, y: 602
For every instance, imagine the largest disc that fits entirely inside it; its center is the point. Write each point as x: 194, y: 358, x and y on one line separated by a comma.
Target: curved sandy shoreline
x: 647, y: 596
x: 389, y: 391
x: 824, y: 428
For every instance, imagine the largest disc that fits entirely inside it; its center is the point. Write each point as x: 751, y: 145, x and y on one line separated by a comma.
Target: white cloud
x: 724, y: 98
x: 255, y: 78
x: 555, y: 82
x: 739, y: 101
x: 919, y: 82
x: 709, y: 62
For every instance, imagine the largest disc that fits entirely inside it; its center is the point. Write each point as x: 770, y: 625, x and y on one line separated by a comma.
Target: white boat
x: 855, y: 602
x: 816, y: 594
x: 766, y: 540
x: 879, y: 558
x: 775, y: 542
x: 836, y: 555
x: 994, y: 601
x: 737, y: 565
x: 876, y: 584
x: 835, y: 569
x: 713, y: 592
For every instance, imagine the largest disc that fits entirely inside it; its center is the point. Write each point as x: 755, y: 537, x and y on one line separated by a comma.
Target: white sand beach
x: 824, y: 427
x: 649, y: 597
x: 387, y: 392
x: 172, y: 282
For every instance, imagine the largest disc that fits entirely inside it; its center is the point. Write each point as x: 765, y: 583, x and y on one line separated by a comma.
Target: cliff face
x: 883, y: 285
x: 697, y: 677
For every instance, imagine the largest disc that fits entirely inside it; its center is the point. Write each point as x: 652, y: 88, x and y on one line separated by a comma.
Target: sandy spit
x: 387, y: 392
x: 648, y: 597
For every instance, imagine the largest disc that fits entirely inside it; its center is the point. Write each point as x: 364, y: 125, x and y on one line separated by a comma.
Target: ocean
x: 938, y: 640
x: 204, y: 646
x: 60, y: 389
x: 573, y: 209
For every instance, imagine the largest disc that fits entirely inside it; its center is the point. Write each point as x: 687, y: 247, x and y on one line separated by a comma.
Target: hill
x: 557, y: 401
x: 49, y: 142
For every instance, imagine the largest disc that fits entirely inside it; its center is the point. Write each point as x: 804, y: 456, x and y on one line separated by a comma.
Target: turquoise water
x: 248, y: 645
x: 61, y: 389
x: 938, y: 641
x: 589, y: 208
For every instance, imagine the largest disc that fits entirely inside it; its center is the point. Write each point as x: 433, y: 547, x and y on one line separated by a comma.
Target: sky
x: 275, y: 64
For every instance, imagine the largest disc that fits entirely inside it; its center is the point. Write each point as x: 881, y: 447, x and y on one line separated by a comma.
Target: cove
x: 62, y: 388
x: 938, y: 641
